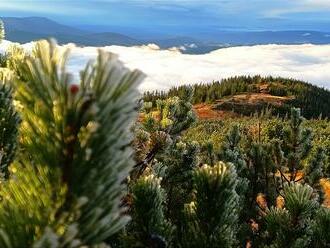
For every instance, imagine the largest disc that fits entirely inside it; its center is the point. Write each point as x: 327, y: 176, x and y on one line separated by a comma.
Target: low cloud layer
x: 166, y: 68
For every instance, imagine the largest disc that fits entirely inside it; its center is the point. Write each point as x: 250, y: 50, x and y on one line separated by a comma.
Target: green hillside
x: 312, y: 100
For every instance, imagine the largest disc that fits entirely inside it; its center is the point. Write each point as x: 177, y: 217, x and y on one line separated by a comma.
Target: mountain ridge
x: 26, y: 29
x: 33, y: 28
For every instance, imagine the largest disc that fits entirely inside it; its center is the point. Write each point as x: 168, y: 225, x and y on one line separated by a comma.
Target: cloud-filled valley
x: 166, y: 68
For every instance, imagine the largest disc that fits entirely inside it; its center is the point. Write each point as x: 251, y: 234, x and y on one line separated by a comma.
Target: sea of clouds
x: 166, y: 68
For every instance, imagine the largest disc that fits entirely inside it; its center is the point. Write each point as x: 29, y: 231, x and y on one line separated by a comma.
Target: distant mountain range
x: 33, y: 28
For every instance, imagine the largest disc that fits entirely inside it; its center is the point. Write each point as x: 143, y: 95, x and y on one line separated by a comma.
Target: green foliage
x: 179, y: 163
x: 13, y: 59
x: 27, y: 205
x: 159, y: 148
x: 160, y: 128
x: 292, y: 225
x: 264, y: 146
x: 231, y: 152
x: 312, y: 100
x: 75, y: 142
x: 296, y: 145
x: 3, y: 61
x: 149, y: 227
x: 314, y: 170
x: 321, y: 228
x: 213, y: 215
x: 261, y: 172
x: 9, y: 122
x: 208, y: 132
x: 176, y: 114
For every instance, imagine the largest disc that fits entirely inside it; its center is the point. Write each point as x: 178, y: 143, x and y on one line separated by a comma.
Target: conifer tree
x: 179, y: 163
x: 261, y: 171
x: 212, y: 216
x: 159, y: 148
x: 321, y: 228
x: 65, y: 185
x: 149, y: 227
x: 231, y: 152
x: 290, y: 154
x: 9, y: 121
x: 15, y: 56
x: 313, y: 172
x: 297, y: 143
x: 162, y: 127
x: 291, y: 225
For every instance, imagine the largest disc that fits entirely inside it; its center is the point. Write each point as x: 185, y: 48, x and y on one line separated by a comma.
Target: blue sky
x: 176, y: 14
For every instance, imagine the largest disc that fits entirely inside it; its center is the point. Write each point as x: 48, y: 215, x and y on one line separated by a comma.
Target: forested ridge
x: 312, y: 100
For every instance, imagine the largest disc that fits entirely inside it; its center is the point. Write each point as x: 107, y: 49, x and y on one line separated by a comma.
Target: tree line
x: 312, y: 100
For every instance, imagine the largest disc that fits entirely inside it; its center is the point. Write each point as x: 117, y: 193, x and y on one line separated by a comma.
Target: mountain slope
x: 35, y: 28
x: 103, y: 39
x: 246, y: 95
x: 38, y: 25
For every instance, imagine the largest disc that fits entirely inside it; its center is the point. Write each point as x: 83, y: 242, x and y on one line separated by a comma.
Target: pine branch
x: 80, y: 134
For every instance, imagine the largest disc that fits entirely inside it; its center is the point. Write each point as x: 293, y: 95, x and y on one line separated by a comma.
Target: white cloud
x: 166, y: 68
x: 317, y: 3
x: 298, y: 6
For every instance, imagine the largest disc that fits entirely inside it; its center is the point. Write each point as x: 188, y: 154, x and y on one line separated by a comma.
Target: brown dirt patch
x: 256, y: 98
x: 207, y: 112
x: 325, y: 184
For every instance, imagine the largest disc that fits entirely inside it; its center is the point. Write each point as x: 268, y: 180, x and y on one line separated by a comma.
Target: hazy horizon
x: 185, y: 17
